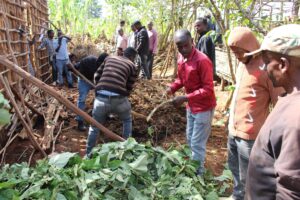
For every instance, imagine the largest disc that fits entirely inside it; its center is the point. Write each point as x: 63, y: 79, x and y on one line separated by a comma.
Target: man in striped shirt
x: 114, y: 81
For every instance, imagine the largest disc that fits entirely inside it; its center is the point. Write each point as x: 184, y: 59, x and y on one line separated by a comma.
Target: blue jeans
x: 102, y: 108
x: 62, y: 67
x: 83, y: 88
x: 197, y: 132
x: 238, y: 159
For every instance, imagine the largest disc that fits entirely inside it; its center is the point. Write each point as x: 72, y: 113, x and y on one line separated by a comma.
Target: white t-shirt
x: 122, y: 42
x: 62, y: 54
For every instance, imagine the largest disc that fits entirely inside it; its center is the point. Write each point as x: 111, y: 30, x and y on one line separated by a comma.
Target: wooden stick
x: 17, y: 110
x: 30, y: 158
x: 8, y: 143
x: 31, y: 107
x: 156, y: 108
x: 49, y: 90
x: 76, y: 72
x: 138, y: 115
x: 23, y: 104
x: 49, y: 124
x: 55, y: 138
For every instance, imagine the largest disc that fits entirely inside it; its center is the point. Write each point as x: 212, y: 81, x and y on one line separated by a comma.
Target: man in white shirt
x: 121, y: 41
x: 62, y: 58
x: 131, y: 38
x: 121, y: 26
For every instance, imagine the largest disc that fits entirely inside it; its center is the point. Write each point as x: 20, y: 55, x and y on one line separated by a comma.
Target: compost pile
x: 117, y: 170
x: 146, y: 96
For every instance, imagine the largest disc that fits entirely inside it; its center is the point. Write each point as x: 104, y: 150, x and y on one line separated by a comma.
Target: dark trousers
x: 54, y: 69
x: 150, y: 63
x: 144, y: 65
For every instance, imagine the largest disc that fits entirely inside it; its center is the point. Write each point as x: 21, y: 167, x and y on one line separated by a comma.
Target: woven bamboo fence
x: 16, y: 17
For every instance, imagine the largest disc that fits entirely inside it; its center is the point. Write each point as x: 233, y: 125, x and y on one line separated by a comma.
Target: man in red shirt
x: 195, y: 74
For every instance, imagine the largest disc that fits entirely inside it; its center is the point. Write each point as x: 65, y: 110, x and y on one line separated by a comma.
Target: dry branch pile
x: 84, y: 46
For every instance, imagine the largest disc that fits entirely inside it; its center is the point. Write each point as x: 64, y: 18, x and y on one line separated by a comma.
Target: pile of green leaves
x: 118, y: 170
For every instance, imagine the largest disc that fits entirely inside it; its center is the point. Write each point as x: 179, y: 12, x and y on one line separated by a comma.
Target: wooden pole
x: 76, y: 72
x: 49, y: 90
x: 13, y: 102
x: 31, y: 107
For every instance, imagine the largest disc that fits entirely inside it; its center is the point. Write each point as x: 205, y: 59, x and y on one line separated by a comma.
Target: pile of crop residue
x: 84, y: 46
x: 146, y: 96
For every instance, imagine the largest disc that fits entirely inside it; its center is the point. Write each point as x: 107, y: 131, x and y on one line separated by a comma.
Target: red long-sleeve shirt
x: 195, y: 74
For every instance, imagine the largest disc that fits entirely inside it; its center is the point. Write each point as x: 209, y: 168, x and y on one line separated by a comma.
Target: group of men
x: 263, y: 148
x: 143, y: 40
x: 57, y: 49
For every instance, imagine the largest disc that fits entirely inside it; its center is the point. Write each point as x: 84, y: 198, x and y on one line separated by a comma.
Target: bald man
x: 195, y: 74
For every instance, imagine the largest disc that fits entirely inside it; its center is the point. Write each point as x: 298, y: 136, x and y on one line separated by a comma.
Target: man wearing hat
x: 253, y: 95
x: 274, y: 166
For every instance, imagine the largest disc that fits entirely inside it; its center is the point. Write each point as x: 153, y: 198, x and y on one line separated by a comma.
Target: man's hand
x: 177, y: 101
x: 169, y: 91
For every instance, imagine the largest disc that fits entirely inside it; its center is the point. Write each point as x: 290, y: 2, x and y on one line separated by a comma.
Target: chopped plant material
x: 117, y: 170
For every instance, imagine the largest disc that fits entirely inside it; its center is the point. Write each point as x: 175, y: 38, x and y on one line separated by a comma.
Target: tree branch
x: 247, y: 15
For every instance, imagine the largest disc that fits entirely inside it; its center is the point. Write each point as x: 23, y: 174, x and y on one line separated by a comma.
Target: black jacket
x: 142, y: 41
x: 87, y: 67
x: 207, y: 46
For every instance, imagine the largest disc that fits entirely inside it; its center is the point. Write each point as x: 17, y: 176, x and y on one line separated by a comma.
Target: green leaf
x: 4, y: 116
x: 140, y: 164
x: 60, y: 196
x: 8, y: 184
x: 61, y: 160
x: 213, y: 195
x: 134, y: 194
x: 9, y: 194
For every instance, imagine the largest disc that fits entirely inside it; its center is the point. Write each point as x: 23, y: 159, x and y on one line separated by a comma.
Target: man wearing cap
x: 142, y: 47
x: 274, y: 166
x: 249, y: 109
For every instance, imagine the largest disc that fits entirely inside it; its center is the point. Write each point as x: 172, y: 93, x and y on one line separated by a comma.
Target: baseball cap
x: 283, y: 39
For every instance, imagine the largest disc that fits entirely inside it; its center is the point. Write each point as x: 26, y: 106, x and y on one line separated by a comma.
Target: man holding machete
x: 195, y: 74
x: 87, y: 68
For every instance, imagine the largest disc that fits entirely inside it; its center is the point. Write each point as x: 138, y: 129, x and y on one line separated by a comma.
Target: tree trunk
x: 296, y: 5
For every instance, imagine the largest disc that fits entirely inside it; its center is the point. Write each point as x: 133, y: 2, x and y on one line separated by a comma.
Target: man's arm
x: 43, y: 44
x: 205, y: 71
x: 177, y: 84
x: 287, y: 165
x: 209, y: 48
x: 132, y: 78
x: 68, y: 38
